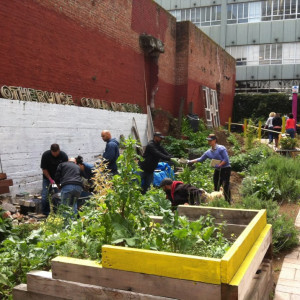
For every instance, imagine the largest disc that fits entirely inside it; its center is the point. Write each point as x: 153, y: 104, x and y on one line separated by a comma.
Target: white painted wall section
x: 27, y: 129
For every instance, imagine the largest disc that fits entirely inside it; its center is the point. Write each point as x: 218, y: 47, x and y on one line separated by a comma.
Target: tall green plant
x: 250, y: 135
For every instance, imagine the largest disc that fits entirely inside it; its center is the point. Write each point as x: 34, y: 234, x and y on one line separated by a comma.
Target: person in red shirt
x: 290, y: 126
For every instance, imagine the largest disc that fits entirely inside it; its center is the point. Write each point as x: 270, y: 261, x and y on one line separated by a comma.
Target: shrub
x: 284, y: 232
x: 261, y: 186
x: 284, y: 173
x: 258, y: 106
x: 288, y: 143
x: 243, y: 161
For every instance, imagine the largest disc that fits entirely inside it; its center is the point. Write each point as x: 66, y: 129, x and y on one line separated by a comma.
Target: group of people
x: 67, y: 173
x: 178, y: 192
x: 274, y: 123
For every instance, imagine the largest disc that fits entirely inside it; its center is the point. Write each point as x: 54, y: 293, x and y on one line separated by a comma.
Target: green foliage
x: 243, y: 161
x: 5, y: 225
x: 288, y: 143
x: 200, y: 176
x: 261, y: 186
x: 236, y: 147
x: 258, y: 106
x: 250, y: 135
x: 178, y: 235
x: 284, y: 232
x: 154, y: 202
x: 284, y: 173
x: 193, y: 140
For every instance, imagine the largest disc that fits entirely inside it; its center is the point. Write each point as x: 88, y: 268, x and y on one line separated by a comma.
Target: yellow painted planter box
x: 128, y: 273
x: 241, y: 260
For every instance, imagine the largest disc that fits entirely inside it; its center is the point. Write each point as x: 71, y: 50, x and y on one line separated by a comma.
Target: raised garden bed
x: 244, y: 272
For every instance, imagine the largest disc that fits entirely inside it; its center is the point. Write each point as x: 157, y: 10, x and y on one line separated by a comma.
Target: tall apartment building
x: 263, y: 37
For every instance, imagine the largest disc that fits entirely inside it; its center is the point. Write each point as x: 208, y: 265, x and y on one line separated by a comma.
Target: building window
x: 266, y: 10
x: 267, y: 54
x: 291, y: 53
x: 245, y: 55
x: 200, y: 16
x: 270, y: 54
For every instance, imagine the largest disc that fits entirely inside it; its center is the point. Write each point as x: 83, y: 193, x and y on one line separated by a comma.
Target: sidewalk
x: 288, y: 285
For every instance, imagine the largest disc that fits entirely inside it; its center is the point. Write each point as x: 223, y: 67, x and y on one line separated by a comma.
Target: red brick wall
x: 207, y: 64
x: 90, y: 48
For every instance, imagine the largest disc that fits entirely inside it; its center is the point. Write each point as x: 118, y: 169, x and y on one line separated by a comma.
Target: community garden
x: 118, y: 214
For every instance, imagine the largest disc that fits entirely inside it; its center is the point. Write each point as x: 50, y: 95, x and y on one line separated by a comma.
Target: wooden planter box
x: 244, y: 272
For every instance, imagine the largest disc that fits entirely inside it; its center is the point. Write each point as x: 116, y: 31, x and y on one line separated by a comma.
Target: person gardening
x: 154, y: 152
x: 49, y: 163
x: 111, y: 152
x: 220, y: 161
x: 179, y: 193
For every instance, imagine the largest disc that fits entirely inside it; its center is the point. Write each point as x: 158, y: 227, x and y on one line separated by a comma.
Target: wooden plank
x: 20, y: 293
x: 2, y: 176
x: 41, y: 282
x: 171, y: 265
x: 90, y: 272
x: 230, y: 215
x: 6, y: 182
x: 234, y: 257
x: 261, y: 284
x: 251, y: 264
x: 4, y: 189
x: 232, y: 231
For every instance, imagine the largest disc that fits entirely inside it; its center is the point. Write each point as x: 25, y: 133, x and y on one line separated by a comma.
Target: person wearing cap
x: 220, y: 161
x: 154, y: 152
x: 179, y: 193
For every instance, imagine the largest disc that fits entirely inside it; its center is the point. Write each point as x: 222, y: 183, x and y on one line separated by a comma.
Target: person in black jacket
x: 154, y: 152
x: 49, y: 163
x: 68, y: 179
x: 180, y: 193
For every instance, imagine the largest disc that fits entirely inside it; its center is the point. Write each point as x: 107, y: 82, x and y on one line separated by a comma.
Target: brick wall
x: 201, y: 62
x: 28, y: 129
x: 90, y: 48
x: 84, y: 48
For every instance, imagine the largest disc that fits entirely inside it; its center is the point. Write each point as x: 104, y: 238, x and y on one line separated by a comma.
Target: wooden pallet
x: 245, y: 271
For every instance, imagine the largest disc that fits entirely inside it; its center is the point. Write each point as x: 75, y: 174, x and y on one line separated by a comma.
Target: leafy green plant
x: 5, y: 225
x: 261, y: 186
x: 178, y: 235
x: 284, y: 173
x: 200, y: 176
x: 250, y: 135
x: 193, y: 140
x: 288, y: 143
x: 243, y: 161
x: 236, y: 147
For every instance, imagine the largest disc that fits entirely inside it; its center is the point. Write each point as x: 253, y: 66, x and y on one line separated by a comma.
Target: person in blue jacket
x: 221, y: 163
x: 111, y: 152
